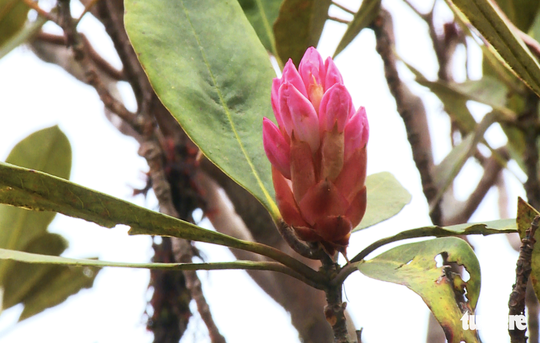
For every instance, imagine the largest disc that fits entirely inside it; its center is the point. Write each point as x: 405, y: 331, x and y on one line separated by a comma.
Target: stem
x: 334, y: 311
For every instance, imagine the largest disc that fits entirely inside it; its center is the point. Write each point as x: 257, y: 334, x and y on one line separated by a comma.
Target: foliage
x: 209, y: 66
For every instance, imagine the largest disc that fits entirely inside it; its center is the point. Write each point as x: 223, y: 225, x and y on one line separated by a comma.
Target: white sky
x: 34, y: 95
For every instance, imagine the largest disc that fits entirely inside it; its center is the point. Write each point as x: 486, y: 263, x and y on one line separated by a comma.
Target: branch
x: 410, y: 108
x: 492, y: 172
x: 516, y: 304
x: 184, y: 253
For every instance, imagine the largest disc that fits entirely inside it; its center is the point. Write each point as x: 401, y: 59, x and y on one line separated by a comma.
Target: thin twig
x: 516, y: 304
x: 92, y: 78
x: 87, y: 8
x: 343, y: 8
x: 339, y: 20
x: 492, y: 171
x: 34, y: 5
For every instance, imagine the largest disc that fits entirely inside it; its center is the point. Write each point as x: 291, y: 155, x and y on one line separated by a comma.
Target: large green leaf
x: 47, y: 150
x: 210, y: 70
x: 39, y: 191
x: 502, y: 41
x: 262, y: 14
x: 21, y: 279
x: 385, y: 198
x: 299, y: 26
x: 13, y: 15
x: 413, y: 265
x: 367, y: 12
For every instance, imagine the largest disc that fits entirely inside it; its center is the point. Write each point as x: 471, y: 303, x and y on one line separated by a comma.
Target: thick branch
x: 411, y: 109
x: 516, y: 304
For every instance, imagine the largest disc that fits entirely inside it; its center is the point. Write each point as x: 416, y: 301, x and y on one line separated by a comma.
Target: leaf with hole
x: 444, y: 291
x: 487, y: 228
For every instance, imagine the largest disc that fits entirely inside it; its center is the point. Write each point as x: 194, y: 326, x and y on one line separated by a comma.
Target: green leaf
x: 40, y: 260
x: 487, y: 228
x: 47, y: 150
x: 210, y: 70
x: 503, y: 42
x: 445, y: 172
x: 22, y: 36
x: 520, y: 12
x: 385, y: 198
x: 299, y: 26
x: 21, y: 279
x: 262, y: 14
x: 60, y: 283
x: 413, y: 265
x: 13, y: 15
x: 367, y: 12
x: 42, y: 192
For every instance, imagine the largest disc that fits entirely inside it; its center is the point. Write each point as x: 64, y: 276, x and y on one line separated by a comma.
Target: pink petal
x: 312, y: 68
x: 276, y: 83
x: 321, y: 201
x: 302, y: 168
x: 276, y: 148
x: 335, y: 108
x: 285, y: 200
x: 291, y: 75
x: 333, y: 75
x: 299, y: 116
x: 313, y: 73
x: 356, y: 132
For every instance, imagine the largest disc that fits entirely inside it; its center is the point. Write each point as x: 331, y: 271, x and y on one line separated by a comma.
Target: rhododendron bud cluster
x: 317, y: 152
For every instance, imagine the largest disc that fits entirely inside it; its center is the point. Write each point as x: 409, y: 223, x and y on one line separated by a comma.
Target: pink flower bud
x: 318, y: 153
